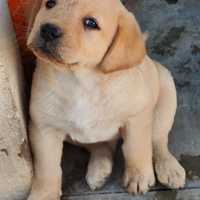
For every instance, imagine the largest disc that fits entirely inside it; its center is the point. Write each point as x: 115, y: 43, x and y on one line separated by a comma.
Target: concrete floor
x: 175, y: 42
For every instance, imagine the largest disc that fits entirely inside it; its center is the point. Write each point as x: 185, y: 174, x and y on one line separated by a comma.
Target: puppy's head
x: 93, y: 33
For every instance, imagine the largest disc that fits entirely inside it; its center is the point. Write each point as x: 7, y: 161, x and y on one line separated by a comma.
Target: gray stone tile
x: 175, y: 42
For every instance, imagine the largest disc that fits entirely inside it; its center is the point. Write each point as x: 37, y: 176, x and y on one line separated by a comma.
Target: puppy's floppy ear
x: 31, y: 12
x: 128, y: 47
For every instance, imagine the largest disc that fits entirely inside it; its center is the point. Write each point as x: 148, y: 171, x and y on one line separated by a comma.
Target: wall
x: 15, y: 159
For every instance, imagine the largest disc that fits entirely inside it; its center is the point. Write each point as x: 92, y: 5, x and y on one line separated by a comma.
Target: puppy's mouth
x: 45, y: 49
x: 44, y: 52
x: 50, y: 53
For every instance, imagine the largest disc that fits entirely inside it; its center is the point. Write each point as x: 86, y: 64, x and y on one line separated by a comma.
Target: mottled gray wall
x: 15, y: 159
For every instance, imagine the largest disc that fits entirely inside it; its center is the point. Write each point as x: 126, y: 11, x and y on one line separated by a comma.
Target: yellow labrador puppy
x: 94, y: 84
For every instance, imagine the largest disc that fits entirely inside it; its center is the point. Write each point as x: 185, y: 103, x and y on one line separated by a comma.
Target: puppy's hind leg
x: 100, y: 164
x: 169, y: 171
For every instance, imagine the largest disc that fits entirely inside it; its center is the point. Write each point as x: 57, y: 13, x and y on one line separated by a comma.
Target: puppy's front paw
x: 170, y: 172
x: 137, y: 181
x: 99, y: 169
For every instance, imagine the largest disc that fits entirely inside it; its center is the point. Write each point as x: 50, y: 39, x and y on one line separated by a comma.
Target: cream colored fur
x: 98, y: 87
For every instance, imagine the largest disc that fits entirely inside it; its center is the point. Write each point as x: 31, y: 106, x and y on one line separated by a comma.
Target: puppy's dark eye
x: 50, y: 4
x: 91, y: 23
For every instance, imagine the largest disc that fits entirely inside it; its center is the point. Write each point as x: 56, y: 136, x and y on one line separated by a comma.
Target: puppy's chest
x: 86, y: 116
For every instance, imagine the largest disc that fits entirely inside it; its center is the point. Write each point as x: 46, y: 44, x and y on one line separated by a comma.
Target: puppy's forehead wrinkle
x: 68, y: 7
x: 71, y: 3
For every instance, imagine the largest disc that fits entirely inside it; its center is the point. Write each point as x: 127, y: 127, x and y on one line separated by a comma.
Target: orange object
x: 17, y: 10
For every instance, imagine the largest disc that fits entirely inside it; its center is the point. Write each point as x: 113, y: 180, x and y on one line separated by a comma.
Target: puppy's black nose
x: 50, y: 32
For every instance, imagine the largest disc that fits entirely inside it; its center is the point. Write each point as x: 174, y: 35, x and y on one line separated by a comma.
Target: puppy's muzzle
x: 50, y: 32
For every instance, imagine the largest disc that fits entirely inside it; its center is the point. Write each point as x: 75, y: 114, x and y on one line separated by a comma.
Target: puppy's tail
x: 145, y: 35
